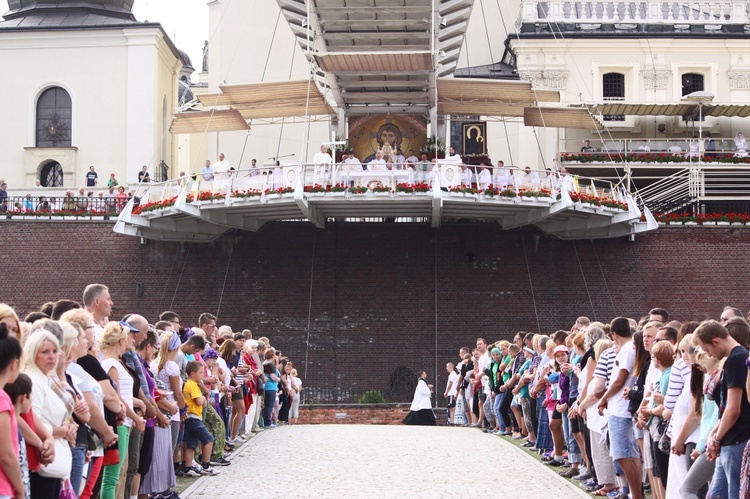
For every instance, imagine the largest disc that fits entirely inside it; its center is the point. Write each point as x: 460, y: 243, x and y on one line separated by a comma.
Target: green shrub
x: 372, y: 397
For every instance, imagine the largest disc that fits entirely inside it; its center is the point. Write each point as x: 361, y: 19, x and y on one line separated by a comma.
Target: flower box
x: 691, y: 223
x: 68, y: 217
x: 722, y: 223
x: 528, y: 199
x: 674, y: 222
x: 661, y: 224
x: 402, y: 193
x: 273, y: 195
x: 381, y: 193
x: 338, y: 194
x: 97, y: 217
x: 710, y: 223
x: 422, y: 193
x: 316, y: 194
x: 737, y: 223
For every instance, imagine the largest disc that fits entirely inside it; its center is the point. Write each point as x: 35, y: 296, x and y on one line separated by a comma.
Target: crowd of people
x: 100, y: 407
x: 622, y: 407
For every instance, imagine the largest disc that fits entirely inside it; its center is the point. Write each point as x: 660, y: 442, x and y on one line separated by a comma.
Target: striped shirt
x: 680, y: 373
x: 604, y: 366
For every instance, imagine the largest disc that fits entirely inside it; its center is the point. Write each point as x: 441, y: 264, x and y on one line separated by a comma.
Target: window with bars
x: 51, y: 175
x: 54, y: 116
x: 613, y: 89
x: 692, y: 82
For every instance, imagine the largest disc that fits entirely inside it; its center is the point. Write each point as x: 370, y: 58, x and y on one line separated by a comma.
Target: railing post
x: 739, y: 12
x: 529, y: 11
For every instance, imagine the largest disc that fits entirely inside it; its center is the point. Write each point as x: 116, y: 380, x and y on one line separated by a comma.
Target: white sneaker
x: 209, y: 471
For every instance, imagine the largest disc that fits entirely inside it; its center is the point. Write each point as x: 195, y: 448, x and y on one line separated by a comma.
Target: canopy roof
x: 208, y: 121
x: 458, y: 96
x: 685, y: 109
x: 560, y: 118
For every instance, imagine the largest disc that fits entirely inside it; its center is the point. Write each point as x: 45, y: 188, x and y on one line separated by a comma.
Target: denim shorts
x: 195, y: 432
x: 622, y: 441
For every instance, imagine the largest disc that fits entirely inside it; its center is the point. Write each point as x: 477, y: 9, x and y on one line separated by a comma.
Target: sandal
x: 604, y: 491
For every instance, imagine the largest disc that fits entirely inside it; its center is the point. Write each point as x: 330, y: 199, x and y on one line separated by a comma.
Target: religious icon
x: 473, y: 138
x: 386, y: 135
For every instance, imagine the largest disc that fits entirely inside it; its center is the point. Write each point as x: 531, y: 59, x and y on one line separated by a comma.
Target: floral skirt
x: 215, y: 426
x: 745, y: 474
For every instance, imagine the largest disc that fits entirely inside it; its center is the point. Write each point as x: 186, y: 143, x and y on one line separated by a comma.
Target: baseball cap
x: 128, y: 326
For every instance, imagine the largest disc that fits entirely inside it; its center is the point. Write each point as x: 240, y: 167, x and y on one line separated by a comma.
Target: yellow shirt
x: 192, y: 391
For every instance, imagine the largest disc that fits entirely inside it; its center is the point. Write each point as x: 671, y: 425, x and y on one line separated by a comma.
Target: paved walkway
x: 379, y: 461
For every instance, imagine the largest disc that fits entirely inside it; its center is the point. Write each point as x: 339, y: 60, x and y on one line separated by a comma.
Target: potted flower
x: 98, y: 215
x: 315, y: 190
x: 358, y: 189
x: 278, y: 192
x: 434, y: 147
x: 247, y: 195
x: 381, y: 190
x: 404, y: 189
x: 338, y: 189
x: 456, y: 190
x: 490, y: 193
x: 421, y: 187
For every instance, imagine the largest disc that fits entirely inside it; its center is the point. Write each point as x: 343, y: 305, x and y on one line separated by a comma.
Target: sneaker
x: 614, y: 493
x: 583, y: 477
x: 589, y: 483
x: 533, y: 448
x: 528, y: 444
x: 221, y: 462
x: 555, y: 463
x: 192, y: 472
x: 179, y: 472
x: 572, y: 472
x: 209, y: 471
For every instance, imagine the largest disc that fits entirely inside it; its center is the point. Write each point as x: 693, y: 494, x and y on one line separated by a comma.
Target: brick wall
x: 353, y: 414
x: 384, y: 296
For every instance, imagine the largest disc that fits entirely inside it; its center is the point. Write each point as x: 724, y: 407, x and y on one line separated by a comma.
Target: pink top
x: 6, y: 488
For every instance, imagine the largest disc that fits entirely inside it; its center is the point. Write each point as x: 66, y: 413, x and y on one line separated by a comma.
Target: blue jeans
x: 270, y: 400
x: 499, y: 400
x: 76, y: 469
x: 726, y: 481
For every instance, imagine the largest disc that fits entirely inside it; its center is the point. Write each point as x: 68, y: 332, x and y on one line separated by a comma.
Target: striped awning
x: 271, y: 100
x: 557, y: 117
x: 464, y: 96
x: 222, y: 120
x: 365, y: 62
x: 686, y: 109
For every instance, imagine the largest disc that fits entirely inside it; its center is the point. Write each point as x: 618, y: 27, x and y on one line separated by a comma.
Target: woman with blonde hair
x: 9, y: 317
x: 297, y: 387
x: 40, y: 359
x: 114, y: 341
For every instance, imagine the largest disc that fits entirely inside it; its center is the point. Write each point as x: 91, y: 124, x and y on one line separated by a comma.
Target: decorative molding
x: 553, y: 80
x: 739, y: 80
x: 656, y: 79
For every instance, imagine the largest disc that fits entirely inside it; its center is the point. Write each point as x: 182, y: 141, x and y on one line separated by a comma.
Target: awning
x: 223, y: 120
x: 463, y: 96
x: 363, y: 62
x: 271, y: 100
x: 560, y: 118
x: 686, y: 109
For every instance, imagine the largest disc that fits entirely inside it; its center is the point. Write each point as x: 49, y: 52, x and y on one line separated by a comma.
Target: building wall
x: 378, y: 297
x: 117, y: 80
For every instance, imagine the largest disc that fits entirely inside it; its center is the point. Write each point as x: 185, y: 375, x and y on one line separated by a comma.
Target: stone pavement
x: 371, y: 461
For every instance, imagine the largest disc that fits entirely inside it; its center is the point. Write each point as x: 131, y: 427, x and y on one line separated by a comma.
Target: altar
x: 370, y: 178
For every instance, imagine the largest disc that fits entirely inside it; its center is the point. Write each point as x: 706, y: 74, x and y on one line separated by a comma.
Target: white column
x: 142, y: 137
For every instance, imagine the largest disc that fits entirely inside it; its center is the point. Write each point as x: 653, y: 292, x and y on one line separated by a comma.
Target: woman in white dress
x: 684, y: 428
x: 740, y: 146
x: 421, y: 407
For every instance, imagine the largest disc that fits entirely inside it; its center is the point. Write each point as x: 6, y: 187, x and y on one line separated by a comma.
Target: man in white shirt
x: 351, y: 164
x: 222, y: 166
x: 484, y: 177
x: 503, y: 178
x: 322, y: 161
x: 623, y: 444
x: 530, y: 180
x: 98, y: 302
x: 466, y: 176
x: 377, y: 164
x: 412, y: 159
x: 452, y: 157
x: 451, y: 390
x: 566, y: 180
x: 484, y: 361
x: 400, y: 160
x: 254, y: 170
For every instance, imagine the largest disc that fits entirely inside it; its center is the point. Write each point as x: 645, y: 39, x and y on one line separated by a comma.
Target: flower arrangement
x: 315, y: 188
x: 70, y: 213
x: 340, y: 187
x: 404, y: 187
x: 249, y: 193
x: 421, y: 187
x: 358, y: 189
x: 210, y: 196
x: 381, y: 188
x: 650, y: 157
x: 154, y: 205
x: 464, y: 189
x: 280, y: 190
x: 612, y: 203
x: 491, y: 191
x: 701, y: 219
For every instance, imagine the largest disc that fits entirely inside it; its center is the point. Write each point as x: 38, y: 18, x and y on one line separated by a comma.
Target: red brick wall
x: 353, y: 414
x: 383, y: 295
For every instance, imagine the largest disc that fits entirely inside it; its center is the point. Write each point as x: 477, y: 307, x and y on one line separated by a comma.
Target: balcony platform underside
x: 206, y: 221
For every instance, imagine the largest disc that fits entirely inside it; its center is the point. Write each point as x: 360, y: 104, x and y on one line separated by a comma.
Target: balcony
x: 196, y: 209
x: 710, y: 14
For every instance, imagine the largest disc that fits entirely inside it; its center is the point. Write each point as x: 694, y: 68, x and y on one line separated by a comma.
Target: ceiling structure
x: 380, y: 56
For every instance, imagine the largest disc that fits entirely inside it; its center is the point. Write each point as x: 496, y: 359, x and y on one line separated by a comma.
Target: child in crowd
x: 20, y: 394
x: 11, y: 477
x: 194, y: 430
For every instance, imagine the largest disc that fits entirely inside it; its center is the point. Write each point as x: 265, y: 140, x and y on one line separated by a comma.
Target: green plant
x: 432, y: 144
x: 372, y: 397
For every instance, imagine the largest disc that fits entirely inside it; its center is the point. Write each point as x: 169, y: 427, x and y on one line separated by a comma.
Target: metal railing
x: 649, y: 11
x: 67, y: 207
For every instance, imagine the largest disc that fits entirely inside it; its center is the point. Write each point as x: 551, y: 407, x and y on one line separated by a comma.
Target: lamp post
x: 701, y: 98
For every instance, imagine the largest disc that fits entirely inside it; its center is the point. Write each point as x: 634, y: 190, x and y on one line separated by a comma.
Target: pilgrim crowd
x: 118, y: 408
x: 623, y: 408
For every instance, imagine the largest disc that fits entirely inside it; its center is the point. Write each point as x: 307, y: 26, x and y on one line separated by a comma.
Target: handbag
x: 111, y: 456
x: 60, y: 467
x: 95, y: 441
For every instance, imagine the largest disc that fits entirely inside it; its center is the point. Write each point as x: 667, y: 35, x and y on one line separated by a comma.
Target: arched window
x: 51, y: 175
x: 692, y: 82
x: 54, y: 113
x: 613, y: 88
